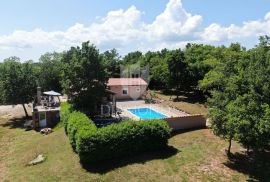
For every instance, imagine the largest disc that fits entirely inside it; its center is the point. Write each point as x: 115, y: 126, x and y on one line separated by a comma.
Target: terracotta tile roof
x: 126, y: 81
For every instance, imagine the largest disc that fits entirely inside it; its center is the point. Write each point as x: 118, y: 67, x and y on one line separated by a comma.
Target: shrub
x: 65, y: 111
x: 78, y: 121
x: 116, y: 140
x: 123, y: 139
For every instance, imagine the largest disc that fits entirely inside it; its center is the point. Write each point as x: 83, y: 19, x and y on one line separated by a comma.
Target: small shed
x: 46, y: 110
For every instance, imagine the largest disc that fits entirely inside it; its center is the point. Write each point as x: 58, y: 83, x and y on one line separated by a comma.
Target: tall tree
x: 177, y: 69
x: 240, y: 107
x: 111, y: 62
x: 221, y: 64
x: 50, y: 71
x: 195, y: 55
x: 17, y: 82
x: 84, y: 77
x: 132, y: 58
x: 159, y: 73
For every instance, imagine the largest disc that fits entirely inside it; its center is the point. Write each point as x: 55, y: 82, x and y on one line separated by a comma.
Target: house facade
x: 127, y: 88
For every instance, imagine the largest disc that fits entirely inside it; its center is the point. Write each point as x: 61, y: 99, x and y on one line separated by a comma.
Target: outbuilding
x: 46, y: 109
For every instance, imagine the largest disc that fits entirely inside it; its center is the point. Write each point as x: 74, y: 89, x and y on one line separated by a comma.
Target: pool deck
x: 168, y: 111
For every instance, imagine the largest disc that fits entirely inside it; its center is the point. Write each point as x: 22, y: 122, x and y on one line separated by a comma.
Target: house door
x: 42, y: 120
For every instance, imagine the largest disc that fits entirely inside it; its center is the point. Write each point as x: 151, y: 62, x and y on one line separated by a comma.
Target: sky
x: 31, y: 28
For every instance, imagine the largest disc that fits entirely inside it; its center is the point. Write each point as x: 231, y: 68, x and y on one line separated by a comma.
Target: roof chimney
x: 38, y: 95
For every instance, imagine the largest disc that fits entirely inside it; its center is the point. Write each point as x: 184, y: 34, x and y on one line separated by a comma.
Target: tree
x: 17, y: 82
x: 221, y: 64
x: 159, y: 73
x: 132, y: 58
x: 84, y: 78
x: 177, y: 69
x: 195, y: 55
x: 50, y: 71
x: 111, y: 62
x: 264, y: 41
x: 240, y: 108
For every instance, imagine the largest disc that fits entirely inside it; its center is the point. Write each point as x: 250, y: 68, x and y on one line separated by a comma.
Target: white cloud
x: 117, y: 29
x: 215, y: 32
x: 174, y: 23
x: 126, y: 31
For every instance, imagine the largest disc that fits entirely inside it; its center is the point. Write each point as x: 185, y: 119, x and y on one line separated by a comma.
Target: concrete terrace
x: 124, y: 105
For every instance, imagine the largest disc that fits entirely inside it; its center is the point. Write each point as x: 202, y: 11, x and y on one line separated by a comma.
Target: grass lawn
x: 193, y: 156
x: 190, y: 104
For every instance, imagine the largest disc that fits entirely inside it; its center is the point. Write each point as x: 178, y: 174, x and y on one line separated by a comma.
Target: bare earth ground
x: 14, y: 111
x: 192, y: 156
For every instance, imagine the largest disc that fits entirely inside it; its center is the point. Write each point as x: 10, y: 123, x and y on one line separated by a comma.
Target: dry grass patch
x: 188, y: 104
x: 186, y: 107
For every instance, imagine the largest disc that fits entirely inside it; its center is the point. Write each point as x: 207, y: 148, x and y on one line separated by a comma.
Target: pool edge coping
x: 147, y: 108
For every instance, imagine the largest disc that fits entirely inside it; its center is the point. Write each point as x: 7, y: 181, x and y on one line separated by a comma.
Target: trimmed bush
x: 78, y: 121
x: 65, y: 111
x: 114, y: 141
x: 123, y: 139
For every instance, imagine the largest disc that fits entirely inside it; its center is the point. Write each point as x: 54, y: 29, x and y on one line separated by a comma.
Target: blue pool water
x: 146, y: 113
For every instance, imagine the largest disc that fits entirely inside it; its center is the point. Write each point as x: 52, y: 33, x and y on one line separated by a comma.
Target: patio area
x: 168, y: 111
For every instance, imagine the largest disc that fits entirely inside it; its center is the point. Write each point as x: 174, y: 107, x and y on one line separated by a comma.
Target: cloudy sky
x: 30, y: 28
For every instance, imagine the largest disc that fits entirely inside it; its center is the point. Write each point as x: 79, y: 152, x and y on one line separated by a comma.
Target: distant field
x: 193, y: 156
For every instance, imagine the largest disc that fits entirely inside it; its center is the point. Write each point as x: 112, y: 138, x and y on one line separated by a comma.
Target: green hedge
x: 78, y: 121
x: 116, y: 140
x: 123, y: 139
x: 66, y: 110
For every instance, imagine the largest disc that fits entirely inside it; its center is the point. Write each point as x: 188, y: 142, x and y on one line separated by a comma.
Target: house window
x: 138, y: 90
x: 135, y: 75
x: 125, y: 91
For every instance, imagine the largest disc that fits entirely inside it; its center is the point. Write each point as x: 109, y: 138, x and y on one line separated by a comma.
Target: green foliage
x: 124, y: 139
x: 195, y: 55
x: 50, y: 71
x: 111, y: 61
x: 78, y: 121
x: 132, y: 58
x: 116, y: 140
x: 235, y: 79
x: 131, y: 70
x: 158, y: 70
x: 240, y: 103
x: 17, y: 82
x: 178, y: 70
x: 221, y: 64
x: 264, y: 41
x: 84, y: 78
x: 159, y: 74
x: 65, y: 111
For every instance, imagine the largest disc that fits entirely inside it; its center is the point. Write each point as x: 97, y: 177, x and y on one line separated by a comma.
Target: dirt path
x: 14, y: 111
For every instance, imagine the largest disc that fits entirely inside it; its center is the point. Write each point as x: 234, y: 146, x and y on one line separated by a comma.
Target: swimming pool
x: 146, y: 113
